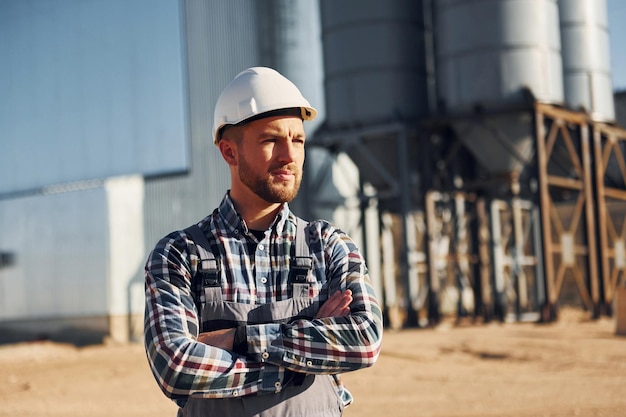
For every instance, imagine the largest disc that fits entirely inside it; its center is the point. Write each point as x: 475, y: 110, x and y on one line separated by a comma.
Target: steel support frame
x: 590, y: 259
x: 352, y: 140
x: 515, y: 253
x: 609, y: 142
x: 563, y: 256
x: 461, y: 262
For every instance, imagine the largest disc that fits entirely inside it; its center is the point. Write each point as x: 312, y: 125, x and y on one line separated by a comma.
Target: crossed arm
x: 336, y: 306
x: 345, y: 334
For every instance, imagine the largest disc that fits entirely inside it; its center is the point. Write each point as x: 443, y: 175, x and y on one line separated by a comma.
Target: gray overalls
x: 305, y: 395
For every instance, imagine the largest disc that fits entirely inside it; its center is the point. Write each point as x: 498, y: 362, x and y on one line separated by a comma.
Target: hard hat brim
x: 305, y: 113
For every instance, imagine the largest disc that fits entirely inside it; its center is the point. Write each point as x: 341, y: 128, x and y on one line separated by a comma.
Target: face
x: 270, y: 156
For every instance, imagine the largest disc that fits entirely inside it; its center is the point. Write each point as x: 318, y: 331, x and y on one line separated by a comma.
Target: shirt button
x: 235, y: 393
x: 309, y: 363
x: 265, y: 355
x: 263, y: 280
x: 261, y: 246
x: 278, y: 386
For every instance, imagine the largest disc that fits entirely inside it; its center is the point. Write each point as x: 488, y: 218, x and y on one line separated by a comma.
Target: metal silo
x: 586, y: 57
x: 495, y: 60
x: 377, y: 83
x: 291, y: 43
x: 375, y: 69
x: 492, y: 56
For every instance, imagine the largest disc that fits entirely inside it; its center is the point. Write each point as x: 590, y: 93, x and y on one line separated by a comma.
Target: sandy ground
x: 575, y: 367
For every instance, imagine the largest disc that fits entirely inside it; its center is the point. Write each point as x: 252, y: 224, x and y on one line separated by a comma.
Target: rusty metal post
x: 434, y: 315
x: 405, y: 210
x: 591, y: 231
x: 548, y: 312
x: 612, y: 241
x: 483, y: 237
x: 602, y: 213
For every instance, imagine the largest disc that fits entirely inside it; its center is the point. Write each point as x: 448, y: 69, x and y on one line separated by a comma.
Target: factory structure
x: 472, y: 148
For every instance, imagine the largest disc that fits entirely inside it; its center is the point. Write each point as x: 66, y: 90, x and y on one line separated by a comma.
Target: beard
x: 264, y: 185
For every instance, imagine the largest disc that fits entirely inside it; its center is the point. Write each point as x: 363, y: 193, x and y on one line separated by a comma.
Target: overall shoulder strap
x: 208, y: 265
x: 302, y: 238
x: 302, y: 262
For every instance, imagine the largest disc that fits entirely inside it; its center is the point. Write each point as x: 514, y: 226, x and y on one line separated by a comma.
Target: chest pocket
x: 215, y: 313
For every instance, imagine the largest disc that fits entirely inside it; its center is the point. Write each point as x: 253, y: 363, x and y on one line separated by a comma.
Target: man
x: 254, y: 312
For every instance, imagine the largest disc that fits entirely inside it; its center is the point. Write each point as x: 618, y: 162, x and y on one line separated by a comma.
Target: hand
x: 222, y: 339
x: 337, y: 305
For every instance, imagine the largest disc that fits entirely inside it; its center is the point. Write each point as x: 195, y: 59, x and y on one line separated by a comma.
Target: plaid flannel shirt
x: 256, y: 272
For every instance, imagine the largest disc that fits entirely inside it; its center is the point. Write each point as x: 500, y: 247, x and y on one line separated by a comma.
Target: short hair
x: 234, y: 132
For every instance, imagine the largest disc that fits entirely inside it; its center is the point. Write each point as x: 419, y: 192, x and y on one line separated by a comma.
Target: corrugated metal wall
x: 223, y: 38
x: 74, y: 253
x: 89, y: 90
x: 60, y: 246
x: 220, y: 41
x: 79, y: 252
x: 96, y: 90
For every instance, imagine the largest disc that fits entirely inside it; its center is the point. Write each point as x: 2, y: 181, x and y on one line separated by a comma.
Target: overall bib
x: 299, y: 395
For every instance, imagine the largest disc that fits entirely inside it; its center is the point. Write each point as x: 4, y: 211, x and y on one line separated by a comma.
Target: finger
x: 336, y: 302
x: 336, y: 295
x: 326, y: 309
x: 333, y: 299
x: 336, y: 305
x: 344, y: 301
x: 340, y: 296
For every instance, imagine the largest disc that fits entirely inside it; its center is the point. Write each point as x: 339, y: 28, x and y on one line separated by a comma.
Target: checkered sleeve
x: 328, y: 345
x: 181, y: 365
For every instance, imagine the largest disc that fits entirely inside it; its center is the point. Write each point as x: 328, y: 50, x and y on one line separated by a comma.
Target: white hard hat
x: 256, y: 91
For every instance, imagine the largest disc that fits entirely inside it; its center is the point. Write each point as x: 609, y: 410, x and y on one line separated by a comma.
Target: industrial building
x: 471, y: 147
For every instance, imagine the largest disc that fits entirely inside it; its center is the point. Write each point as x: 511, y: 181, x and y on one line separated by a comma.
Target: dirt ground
x: 574, y: 367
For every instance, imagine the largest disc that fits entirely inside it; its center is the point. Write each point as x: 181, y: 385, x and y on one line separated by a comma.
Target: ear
x: 228, y: 149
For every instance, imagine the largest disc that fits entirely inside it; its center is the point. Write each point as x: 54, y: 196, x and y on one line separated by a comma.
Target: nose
x: 287, y: 152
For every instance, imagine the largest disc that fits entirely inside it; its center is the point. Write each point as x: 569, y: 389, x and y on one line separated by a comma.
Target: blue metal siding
x: 60, y: 247
x: 220, y: 39
x: 89, y: 90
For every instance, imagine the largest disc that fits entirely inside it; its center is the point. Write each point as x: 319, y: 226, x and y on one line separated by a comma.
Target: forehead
x: 278, y: 125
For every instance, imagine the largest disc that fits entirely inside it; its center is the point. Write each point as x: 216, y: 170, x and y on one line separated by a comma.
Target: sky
x: 617, y: 33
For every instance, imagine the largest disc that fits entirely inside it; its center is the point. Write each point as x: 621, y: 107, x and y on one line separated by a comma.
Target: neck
x: 256, y: 212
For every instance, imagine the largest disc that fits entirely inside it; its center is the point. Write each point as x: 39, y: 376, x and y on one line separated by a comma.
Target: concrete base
x: 77, y: 331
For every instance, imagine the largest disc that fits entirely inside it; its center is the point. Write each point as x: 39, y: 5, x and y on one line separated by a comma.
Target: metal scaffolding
x: 461, y: 243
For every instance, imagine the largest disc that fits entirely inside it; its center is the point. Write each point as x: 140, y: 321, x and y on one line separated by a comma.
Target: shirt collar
x: 235, y: 223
